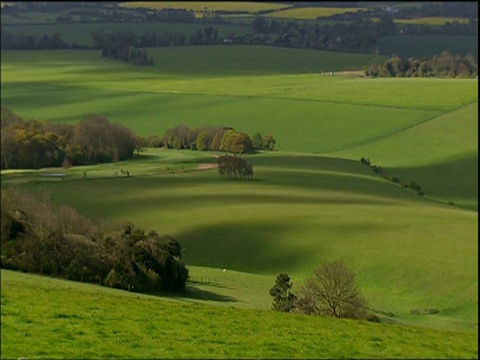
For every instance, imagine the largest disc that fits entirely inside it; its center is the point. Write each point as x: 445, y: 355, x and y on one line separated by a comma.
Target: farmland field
x: 108, y: 323
x: 311, y: 12
x: 433, y: 20
x: 198, y: 7
x: 420, y: 46
x: 301, y: 210
x: 310, y: 201
x: 227, y: 85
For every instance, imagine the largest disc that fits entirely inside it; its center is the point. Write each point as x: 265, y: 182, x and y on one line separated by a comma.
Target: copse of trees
x: 443, y: 65
x: 120, y: 46
x: 14, y: 41
x: 330, y: 291
x: 36, y: 144
x: 215, y: 138
x: 234, y: 167
x: 38, y: 237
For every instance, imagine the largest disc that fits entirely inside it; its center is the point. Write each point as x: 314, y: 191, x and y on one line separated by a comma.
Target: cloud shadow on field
x: 248, y: 246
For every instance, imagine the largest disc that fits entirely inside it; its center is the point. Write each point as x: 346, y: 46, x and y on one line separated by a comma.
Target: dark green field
x: 425, y: 46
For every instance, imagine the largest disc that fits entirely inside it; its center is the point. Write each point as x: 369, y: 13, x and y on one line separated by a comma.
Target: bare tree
x: 331, y: 291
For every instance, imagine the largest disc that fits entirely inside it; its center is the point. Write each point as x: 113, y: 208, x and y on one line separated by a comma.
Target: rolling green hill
x: 299, y: 211
x: 107, y: 323
x: 309, y: 201
x: 441, y: 153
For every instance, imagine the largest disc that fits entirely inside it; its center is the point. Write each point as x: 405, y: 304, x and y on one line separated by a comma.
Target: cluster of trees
x: 235, y: 167
x: 119, y: 46
x: 145, y: 39
x: 38, y: 237
x: 215, y: 138
x: 359, y: 35
x: 36, y: 144
x: 15, y: 41
x: 443, y: 65
x: 330, y: 291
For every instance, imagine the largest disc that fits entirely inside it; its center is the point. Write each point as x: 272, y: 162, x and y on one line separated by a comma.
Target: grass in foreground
x: 49, y: 318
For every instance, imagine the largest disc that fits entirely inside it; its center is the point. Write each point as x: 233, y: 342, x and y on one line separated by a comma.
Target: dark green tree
x: 283, y: 298
x: 257, y: 141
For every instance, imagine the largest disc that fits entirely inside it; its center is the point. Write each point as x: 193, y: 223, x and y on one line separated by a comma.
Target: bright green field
x: 107, y: 323
x: 442, y: 154
x: 261, y: 89
x: 301, y: 210
x: 407, y: 251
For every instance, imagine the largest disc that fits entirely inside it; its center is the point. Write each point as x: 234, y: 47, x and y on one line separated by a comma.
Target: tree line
x: 38, y: 237
x: 36, y: 144
x: 443, y: 65
x: 215, y: 138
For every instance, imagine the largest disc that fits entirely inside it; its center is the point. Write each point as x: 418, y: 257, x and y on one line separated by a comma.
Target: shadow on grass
x: 194, y: 293
x: 454, y: 181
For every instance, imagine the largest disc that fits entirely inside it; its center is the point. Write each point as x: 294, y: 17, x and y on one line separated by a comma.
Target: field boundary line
x: 386, y: 136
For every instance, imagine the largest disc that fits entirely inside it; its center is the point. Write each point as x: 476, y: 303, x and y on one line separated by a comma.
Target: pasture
x: 110, y: 323
x: 425, y: 46
x: 309, y: 201
x: 258, y: 90
x: 299, y: 211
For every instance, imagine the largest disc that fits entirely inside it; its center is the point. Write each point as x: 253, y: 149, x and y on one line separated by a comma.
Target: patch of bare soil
x: 206, y: 166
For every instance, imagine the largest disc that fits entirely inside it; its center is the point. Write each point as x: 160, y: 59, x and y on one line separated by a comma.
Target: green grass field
x: 107, y: 323
x: 301, y: 210
x: 257, y: 90
x: 307, y: 203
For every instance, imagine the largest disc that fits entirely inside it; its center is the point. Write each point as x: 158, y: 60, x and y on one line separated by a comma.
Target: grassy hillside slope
x: 441, y: 155
x: 299, y: 211
x: 40, y: 320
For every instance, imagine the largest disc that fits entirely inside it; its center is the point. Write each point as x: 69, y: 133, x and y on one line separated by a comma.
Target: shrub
x: 283, y: 298
x: 331, y: 291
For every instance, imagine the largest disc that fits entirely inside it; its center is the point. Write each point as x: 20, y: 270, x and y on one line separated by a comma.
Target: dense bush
x: 40, y: 238
x: 234, y: 167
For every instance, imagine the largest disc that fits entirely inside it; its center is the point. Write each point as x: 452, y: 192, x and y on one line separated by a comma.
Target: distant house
x: 227, y: 41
